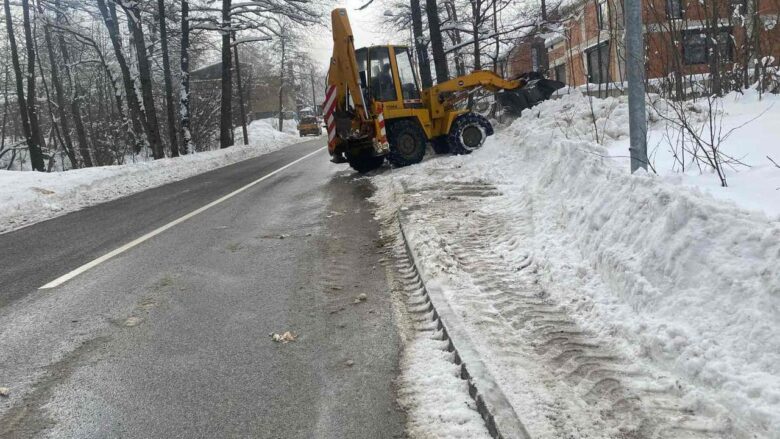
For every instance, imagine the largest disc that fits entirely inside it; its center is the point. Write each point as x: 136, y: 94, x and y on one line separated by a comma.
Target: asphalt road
x: 171, y: 338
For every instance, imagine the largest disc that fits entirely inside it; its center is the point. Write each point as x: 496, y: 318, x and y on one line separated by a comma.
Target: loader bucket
x: 534, y: 92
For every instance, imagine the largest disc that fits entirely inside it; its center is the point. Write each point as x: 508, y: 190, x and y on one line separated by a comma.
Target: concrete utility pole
x: 635, y: 73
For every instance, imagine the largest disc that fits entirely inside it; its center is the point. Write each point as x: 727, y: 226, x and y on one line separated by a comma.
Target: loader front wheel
x: 364, y: 162
x: 407, y: 143
x: 468, y: 133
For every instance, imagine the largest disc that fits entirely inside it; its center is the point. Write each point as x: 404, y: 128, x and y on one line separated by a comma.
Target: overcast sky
x: 366, y: 26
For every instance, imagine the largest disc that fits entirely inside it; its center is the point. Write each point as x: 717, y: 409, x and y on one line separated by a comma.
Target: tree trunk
x: 137, y: 118
x: 240, y: 88
x: 59, y: 95
x: 168, y: 81
x: 498, y: 41
x: 5, y: 110
x: 281, y: 87
x: 460, y: 67
x: 226, y: 110
x: 32, y: 103
x: 419, y: 45
x: 476, y: 7
x: 437, y: 46
x: 184, y: 99
x: 55, y: 135
x: 33, y: 146
x: 145, y: 78
x: 75, y: 98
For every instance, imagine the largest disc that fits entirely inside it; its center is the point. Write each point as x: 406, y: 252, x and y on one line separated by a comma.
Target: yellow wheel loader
x: 375, y: 110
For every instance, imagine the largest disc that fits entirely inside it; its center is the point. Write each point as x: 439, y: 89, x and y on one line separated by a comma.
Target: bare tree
x: 137, y: 118
x: 174, y: 143
x: 135, y: 25
x: 437, y: 45
x: 59, y: 96
x: 184, y: 95
x: 32, y: 138
x: 226, y: 112
x: 420, y: 44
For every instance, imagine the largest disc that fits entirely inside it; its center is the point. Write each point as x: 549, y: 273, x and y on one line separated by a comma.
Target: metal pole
x: 635, y: 73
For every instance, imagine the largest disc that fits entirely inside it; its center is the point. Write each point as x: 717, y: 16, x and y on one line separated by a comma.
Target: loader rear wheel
x: 364, y: 162
x: 407, y: 142
x: 468, y: 133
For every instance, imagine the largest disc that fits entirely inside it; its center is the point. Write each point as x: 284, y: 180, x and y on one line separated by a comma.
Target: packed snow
x: 29, y: 197
x: 434, y: 396
x: 669, y: 283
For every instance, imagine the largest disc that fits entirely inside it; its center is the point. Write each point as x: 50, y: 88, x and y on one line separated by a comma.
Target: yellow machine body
x: 376, y: 86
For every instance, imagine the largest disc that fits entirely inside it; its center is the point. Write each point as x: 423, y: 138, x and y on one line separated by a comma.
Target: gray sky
x: 365, y: 26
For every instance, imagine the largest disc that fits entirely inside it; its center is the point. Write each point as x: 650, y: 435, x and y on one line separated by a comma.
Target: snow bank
x: 755, y: 120
x: 30, y: 197
x: 685, y: 280
x: 269, y: 129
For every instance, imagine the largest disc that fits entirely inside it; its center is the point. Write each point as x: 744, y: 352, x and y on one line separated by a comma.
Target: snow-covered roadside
x: 680, y: 289
x: 434, y: 396
x: 30, y: 197
x: 429, y: 387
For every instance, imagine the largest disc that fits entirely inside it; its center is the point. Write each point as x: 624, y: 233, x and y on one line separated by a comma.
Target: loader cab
x: 386, y: 76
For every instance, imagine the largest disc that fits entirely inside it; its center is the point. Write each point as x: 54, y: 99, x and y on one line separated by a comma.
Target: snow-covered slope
x: 675, y: 282
x: 28, y: 197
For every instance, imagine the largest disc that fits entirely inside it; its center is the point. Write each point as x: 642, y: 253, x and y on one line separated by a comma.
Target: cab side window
x: 406, y: 74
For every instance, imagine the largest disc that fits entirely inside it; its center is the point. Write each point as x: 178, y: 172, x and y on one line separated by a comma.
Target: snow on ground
x: 611, y: 305
x: 29, y: 197
x: 434, y: 396
x: 755, y: 120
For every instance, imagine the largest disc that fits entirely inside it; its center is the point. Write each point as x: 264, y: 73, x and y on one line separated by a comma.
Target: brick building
x: 682, y: 38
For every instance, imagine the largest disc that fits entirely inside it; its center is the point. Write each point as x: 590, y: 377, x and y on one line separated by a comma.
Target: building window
x: 697, y: 48
x: 674, y: 9
x: 725, y: 45
x: 598, y: 63
x: 694, y: 47
x: 560, y: 73
x: 602, y: 15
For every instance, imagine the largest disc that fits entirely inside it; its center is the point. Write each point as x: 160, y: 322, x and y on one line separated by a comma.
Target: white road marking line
x: 62, y: 279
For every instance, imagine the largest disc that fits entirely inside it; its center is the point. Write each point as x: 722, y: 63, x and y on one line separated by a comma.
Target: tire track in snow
x: 524, y: 327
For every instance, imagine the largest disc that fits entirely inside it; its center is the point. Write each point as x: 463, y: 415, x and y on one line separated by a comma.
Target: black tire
x: 440, y: 145
x: 407, y: 142
x: 364, y: 162
x: 468, y: 133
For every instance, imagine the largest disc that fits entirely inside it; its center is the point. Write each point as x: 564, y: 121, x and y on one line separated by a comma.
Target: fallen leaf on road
x: 284, y: 338
x: 4, y: 391
x: 42, y: 191
x: 362, y: 297
x: 350, y: 363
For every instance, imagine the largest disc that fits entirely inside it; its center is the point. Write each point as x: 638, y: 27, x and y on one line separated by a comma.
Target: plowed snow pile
x: 673, y: 277
x: 28, y: 197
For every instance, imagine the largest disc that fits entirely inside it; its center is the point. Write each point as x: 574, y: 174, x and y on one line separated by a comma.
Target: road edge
x: 500, y: 417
